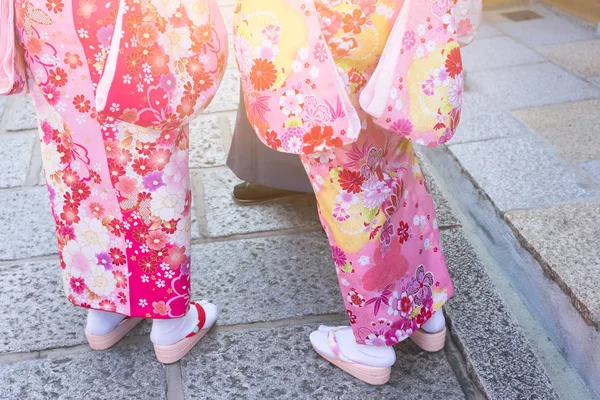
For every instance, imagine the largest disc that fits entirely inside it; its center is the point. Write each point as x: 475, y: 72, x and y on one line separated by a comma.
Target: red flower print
x: 147, y: 34
x: 118, y: 258
x: 121, y: 279
x: 58, y: 77
x: 156, y: 240
x: 145, y: 148
x: 354, y: 22
x: 159, y: 159
x: 81, y: 104
x: 176, y: 257
x: 263, y: 74
x: 403, y: 232
x: 339, y: 257
x: 273, y: 140
x: 356, y: 299
x: 77, y: 285
x: 70, y: 200
x: 55, y: 5
x: 454, y: 62
x: 402, y: 127
x: 70, y: 215
x: 108, y: 305
x: 159, y: 62
x: 122, y: 298
x: 115, y: 227
x: 81, y: 191
x: 141, y: 166
x: 190, y: 91
x: 423, y: 316
x: 140, y: 233
x: 148, y: 264
x: 203, y: 80
x: 161, y: 308
x: 73, y: 60
x: 186, y: 108
x: 133, y: 62
x: 51, y: 94
x: 69, y: 177
x: 318, y: 138
x: 351, y: 181
x: 351, y: 316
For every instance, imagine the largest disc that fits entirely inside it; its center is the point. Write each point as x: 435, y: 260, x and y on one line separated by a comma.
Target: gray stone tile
x: 483, y: 119
x: 40, y: 317
x: 592, y: 168
x: 27, y: 224
x: 2, y: 106
x: 497, y: 52
x: 595, y: 80
x: 582, y: 58
x: 487, y: 31
x: 521, y: 173
x: 15, y: 156
x: 225, y: 217
x: 21, y: 114
x: 572, y: 127
x: 206, y: 142
x: 444, y: 210
x: 533, y: 85
x: 281, y: 364
x: 129, y: 372
x: 267, y: 279
x: 545, y: 31
x: 565, y: 240
x: 493, y: 344
x: 228, y: 94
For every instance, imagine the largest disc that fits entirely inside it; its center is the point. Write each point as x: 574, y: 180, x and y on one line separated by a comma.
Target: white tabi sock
x: 170, y: 331
x: 436, y: 323
x: 376, y: 356
x: 102, y: 322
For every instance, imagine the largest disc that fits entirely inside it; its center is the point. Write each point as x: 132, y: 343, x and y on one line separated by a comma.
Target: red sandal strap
x: 201, y: 319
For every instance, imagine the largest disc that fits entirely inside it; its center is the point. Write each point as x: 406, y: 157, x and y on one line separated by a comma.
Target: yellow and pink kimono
x: 349, y: 85
x: 115, y: 85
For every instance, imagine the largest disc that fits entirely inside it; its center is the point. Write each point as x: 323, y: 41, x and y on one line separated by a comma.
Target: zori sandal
x: 170, y: 354
x: 103, y: 342
x: 430, y: 342
x: 373, y: 375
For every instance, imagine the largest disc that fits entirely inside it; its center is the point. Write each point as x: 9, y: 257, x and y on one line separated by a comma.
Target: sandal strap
x: 201, y: 319
x: 333, y: 345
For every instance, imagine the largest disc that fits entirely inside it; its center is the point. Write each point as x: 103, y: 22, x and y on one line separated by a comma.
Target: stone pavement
x: 268, y: 267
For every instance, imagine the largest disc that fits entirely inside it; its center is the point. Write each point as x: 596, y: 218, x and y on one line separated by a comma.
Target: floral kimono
x: 113, y: 115
x: 349, y: 85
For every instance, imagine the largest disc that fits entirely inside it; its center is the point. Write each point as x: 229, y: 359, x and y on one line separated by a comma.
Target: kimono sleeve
x: 416, y: 89
x: 467, y: 15
x: 294, y: 95
x: 13, y: 78
x: 166, y: 64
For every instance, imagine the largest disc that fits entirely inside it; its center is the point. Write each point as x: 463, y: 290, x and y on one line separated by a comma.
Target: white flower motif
x: 78, y: 259
x: 303, y: 53
x: 101, y: 281
x: 167, y: 205
x: 145, y: 278
x: 176, y: 41
x: 364, y: 260
x: 91, y: 233
x: 143, y: 303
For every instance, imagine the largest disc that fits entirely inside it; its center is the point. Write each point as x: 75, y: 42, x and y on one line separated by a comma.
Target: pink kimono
x: 113, y: 115
x: 349, y: 85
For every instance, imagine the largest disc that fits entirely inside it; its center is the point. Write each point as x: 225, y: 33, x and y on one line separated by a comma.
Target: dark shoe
x: 251, y: 193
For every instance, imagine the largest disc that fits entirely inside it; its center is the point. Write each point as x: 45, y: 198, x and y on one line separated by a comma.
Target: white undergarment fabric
x: 368, y: 355
x: 102, y: 322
